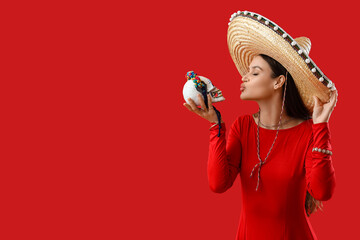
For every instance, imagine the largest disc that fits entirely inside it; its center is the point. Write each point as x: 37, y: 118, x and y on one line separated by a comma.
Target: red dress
x: 277, y: 209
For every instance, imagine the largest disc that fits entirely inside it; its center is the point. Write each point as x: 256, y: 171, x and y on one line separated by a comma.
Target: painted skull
x: 194, y: 82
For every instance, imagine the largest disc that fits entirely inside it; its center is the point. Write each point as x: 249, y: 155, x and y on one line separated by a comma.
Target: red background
x: 96, y: 141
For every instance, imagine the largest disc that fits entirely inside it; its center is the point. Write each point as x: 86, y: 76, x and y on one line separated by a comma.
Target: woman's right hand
x: 208, y: 114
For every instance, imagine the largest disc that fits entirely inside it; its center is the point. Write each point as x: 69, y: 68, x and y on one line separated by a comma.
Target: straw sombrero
x: 250, y: 34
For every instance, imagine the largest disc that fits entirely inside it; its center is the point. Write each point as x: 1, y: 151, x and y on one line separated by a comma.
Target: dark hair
x: 294, y: 105
x: 296, y: 108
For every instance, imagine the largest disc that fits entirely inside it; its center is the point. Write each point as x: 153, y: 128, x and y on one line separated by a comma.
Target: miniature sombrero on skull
x: 250, y: 34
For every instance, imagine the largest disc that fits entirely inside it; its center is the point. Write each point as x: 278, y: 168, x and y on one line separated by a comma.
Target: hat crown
x: 304, y: 43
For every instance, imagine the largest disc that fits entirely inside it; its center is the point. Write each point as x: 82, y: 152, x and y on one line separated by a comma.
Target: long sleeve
x: 224, y: 157
x: 320, y: 173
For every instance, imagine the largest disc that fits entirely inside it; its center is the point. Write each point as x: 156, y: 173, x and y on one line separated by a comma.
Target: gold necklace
x: 257, y: 114
x: 281, y: 124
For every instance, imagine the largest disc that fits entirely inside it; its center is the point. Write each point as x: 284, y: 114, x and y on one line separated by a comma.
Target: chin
x: 242, y: 97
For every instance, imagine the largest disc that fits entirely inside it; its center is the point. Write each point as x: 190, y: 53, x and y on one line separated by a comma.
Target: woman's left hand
x: 322, y: 111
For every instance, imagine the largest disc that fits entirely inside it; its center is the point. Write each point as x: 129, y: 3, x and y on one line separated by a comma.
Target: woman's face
x: 258, y: 83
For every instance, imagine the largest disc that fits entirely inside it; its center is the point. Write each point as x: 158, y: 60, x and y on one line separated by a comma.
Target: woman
x: 293, y: 156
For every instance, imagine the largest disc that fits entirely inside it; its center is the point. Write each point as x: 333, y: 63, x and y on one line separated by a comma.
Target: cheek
x: 259, y: 90
x: 259, y: 87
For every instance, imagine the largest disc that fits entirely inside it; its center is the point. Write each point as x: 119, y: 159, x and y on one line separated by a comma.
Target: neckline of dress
x: 252, y: 117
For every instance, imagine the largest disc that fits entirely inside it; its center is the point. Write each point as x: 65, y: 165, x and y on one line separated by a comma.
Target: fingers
x: 209, y: 102
x: 331, y: 103
x: 316, y: 101
x: 333, y: 98
x: 188, y: 107
x: 202, y: 102
x: 336, y: 97
x: 193, y: 107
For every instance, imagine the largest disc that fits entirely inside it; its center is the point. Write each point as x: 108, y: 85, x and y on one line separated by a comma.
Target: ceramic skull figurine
x: 196, y: 85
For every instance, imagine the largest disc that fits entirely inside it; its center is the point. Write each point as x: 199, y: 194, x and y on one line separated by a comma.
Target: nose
x: 244, y: 78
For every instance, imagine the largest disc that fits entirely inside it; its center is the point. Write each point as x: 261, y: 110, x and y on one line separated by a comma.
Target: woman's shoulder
x: 240, y: 124
x: 242, y: 120
x: 308, y: 123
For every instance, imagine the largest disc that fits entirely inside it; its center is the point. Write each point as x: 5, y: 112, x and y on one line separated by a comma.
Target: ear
x: 279, y: 81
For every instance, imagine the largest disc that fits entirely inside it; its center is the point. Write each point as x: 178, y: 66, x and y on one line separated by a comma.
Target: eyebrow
x: 257, y: 67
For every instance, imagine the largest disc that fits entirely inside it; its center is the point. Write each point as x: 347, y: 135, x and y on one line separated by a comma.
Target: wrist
x: 217, y: 122
x: 319, y: 122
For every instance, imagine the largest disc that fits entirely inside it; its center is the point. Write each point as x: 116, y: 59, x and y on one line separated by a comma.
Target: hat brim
x: 250, y: 34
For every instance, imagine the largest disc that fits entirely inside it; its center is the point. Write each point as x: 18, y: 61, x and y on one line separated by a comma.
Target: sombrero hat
x: 250, y: 34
